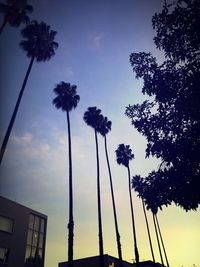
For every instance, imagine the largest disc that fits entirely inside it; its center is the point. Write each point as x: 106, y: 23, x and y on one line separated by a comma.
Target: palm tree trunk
x: 161, y: 258
x: 101, y: 257
x: 71, y: 220
x: 7, y: 135
x: 114, y: 208
x: 148, y: 231
x: 133, y: 221
x: 162, y: 240
x: 5, y: 21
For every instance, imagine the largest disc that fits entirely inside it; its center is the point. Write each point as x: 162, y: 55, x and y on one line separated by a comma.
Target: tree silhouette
x: 124, y: 155
x: 15, y: 13
x: 151, y: 196
x: 39, y: 45
x: 137, y: 184
x: 93, y: 118
x: 66, y: 99
x: 161, y: 238
x: 170, y: 121
x: 158, y: 241
x: 104, y: 129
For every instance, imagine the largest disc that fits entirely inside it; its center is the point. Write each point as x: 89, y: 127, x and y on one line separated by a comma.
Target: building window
x: 35, y: 239
x: 6, y: 224
x: 4, y: 252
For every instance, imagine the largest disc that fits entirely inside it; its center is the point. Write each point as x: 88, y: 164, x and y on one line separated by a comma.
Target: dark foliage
x: 104, y: 127
x: 124, y: 154
x: 171, y: 122
x: 39, y: 41
x: 15, y: 12
x: 93, y: 118
x: 66, y: 97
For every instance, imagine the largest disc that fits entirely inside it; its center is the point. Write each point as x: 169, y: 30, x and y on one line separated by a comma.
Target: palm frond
x: 93, y: 117
x: 66, y: 97
x: 39, y: 41
x: 124, y: 154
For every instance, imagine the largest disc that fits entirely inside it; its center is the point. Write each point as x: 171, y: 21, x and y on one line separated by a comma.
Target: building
x: 22, y: 235
x: 109, y: 261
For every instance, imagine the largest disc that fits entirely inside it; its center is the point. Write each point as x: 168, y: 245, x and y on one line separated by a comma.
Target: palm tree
x: 66, y: 99
x: 157, y: 237
x: 124, y: 155
x: 93, y: 118
x: 15, y: 13
x: 161, y: 238
x: 40, y: 46
x: 154, y: 201
x: 138, y: 185
x: 105, y: 127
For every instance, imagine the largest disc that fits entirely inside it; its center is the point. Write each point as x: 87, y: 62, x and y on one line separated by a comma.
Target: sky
x: 95, y: 40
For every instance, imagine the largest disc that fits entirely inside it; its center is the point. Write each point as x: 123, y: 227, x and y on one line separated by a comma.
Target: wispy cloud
x: 96, y: 40
x: 24, y: 140
x: 69, y: 72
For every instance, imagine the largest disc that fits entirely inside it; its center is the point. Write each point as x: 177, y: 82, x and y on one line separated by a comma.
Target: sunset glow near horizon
x: 95, y: 40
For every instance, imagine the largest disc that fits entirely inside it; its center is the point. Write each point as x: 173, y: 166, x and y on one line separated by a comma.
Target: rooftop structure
x: 109, y: 261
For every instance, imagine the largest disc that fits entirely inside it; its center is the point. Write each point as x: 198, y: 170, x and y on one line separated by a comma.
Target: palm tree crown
x: 39, y: 41
x: 66, y: 97
x: 104, y: 127
x: 15, y: 12
x: 124, y: 154
x: 93, y: 118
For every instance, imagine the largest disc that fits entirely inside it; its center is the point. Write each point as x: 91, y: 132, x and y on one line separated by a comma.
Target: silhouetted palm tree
x: 124, y: 155
x: 105, y: 127
x: 161, y: 238
x: 153, y: 201
x: 66, y: 99
x: 93, y: 118
x: 40, y: 46
x: 157, y: 237
x: 15, y: 13
x: 138, y: 185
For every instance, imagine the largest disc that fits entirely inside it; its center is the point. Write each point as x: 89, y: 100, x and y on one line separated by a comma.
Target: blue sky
x: 95, y: 40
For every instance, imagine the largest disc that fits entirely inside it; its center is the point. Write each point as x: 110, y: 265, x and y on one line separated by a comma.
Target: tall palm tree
x: 93, y: 118
x: 153, y: 201
x: 161, y: 238
x: 66, y: 99
x: 15, y: 13
x: 124, y: 155
x: 158, y: 240
x: 105, y: 127
x: 138, y: 185
x: 39, y: 45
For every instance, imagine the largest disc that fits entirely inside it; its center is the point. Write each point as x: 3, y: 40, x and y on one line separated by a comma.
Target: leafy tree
x: 39, y: 45
x: 104, y: 129
x: 170, y: 121
x: 67, y: 99
x: 15, y: 13
x: 124, y: 155
x: 93, y: 118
